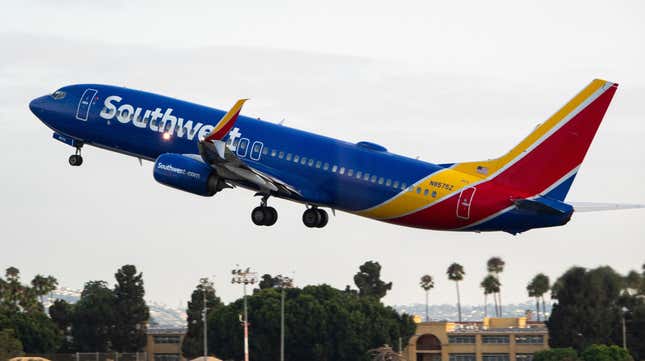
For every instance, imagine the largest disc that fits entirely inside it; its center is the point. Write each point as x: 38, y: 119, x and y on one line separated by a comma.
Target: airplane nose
x: 37, y: 106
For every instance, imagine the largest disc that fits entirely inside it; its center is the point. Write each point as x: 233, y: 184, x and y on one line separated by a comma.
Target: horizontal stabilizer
x: 543, y: 205
x: 596, y: 207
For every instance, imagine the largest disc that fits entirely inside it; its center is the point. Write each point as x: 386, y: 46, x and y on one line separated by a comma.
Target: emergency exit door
x: 87, y: 99
x: 465, y: 201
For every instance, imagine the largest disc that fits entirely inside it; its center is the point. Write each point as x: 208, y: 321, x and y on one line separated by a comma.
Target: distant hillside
x: 469, y: 312
x: 160, y: 314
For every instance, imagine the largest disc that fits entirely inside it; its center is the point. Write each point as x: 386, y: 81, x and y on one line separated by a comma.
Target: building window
x: 428, y: 342
x: 523, y: 357
x: 495, y: 339
x: 462, y: 357
x: 166, y: 339
x: 530, y: 339
x: 167, y: 357
x: 495, y: 357
x: 461, y: 339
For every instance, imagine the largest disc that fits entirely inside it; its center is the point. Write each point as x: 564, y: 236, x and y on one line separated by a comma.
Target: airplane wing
x: 214, y: 151
x: 596, y: 207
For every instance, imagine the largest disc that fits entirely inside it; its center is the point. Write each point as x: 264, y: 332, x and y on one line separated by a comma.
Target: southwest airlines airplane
x: 203, y: 150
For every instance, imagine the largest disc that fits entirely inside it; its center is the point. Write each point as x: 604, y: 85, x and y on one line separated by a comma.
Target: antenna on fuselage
x: 281, y: 122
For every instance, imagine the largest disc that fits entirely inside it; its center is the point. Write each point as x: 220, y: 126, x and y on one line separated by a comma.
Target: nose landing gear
x: 76, y: 159
x: 315, y: 217
x: 264, y: 215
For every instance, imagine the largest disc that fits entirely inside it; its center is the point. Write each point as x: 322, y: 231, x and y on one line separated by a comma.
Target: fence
x: 91, y: 356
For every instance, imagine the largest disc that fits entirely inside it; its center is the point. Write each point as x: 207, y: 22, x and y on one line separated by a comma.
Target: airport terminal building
x: 493, y: 339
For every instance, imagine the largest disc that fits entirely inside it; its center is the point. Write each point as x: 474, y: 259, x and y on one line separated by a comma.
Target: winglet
x: 226, y: 123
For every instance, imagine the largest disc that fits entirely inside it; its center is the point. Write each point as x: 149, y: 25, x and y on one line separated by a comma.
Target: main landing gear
x: 315, y: 218
x: 76, y: 159
x: 264, y: 215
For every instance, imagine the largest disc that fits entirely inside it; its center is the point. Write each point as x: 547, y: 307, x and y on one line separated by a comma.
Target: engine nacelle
x: 187, y: 174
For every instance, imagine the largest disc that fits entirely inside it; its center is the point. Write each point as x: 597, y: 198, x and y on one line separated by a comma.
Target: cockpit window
x: 58, y: 94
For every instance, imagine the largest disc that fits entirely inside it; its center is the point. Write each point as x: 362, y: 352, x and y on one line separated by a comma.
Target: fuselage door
x: 87, y: 99
x: 465, y: 201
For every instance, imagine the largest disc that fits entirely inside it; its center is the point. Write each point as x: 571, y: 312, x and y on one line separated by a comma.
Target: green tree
x: 495, y: 265
x: 93, y: 318
x: 427, y: 283
x: 490, y: 284
x: 322, y: 323
x: 268, y: 281
x: 43, y: 285
x: 557, y: 354
x: 192, y: 345
x: 130, y: 311
x: 456, y: 273
x: 538, y: 286
x: 605, y: 353
x: 10, y: 346
x: 62, y: 314
x: 368, y: 280
x: 587, y: 309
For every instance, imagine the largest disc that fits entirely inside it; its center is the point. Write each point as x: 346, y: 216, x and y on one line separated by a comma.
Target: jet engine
x: 187, y: 174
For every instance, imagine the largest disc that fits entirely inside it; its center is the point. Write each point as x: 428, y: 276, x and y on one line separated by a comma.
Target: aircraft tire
x: 311, y: 218
x: 271, y: 216
x: 258, y: 216
x: 75, y: 160
x: 324, y: 218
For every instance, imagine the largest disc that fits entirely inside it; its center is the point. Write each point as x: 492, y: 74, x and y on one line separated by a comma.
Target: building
x: 164, y: 344
x: 493, y: 339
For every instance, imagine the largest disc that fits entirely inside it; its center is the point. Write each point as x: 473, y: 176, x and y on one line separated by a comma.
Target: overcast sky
x: 446, y: 81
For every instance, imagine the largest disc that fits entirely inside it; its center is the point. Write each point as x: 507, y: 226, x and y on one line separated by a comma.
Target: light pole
x: 206, y: 286
x: 244, y: 277
x: 283, y: 282
x: 624, y: 309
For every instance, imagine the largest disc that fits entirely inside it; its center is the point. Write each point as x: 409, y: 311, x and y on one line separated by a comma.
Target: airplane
x: 202, y: 150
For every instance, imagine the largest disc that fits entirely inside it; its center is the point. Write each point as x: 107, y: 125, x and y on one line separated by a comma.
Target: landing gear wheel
x: 323, y: 218
x: 75, y: 160
x: 311, y: 217
x: 258, y: 216
x: 271, y: 216
x: 264, y: 216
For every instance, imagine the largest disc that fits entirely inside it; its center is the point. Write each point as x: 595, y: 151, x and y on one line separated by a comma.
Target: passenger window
x: 373, y: 179
x: 425, y: 192
x: 318, y: 164
x: 303, y: 160
x: 342, y: 170
x: 381, y: 180
x: 265, y: 151
x: 396, y: 184
x: 334, y: 168
x: 274, y: 152
x: 310, y: 162
x: 359, y: 174
x: 350, y: 172
x: 288, y: 156
x: 418, y: 190
x: 404, y: 186
x: 366, y: 177
x: 281, y: 155
x: 326, y: 166
x: 388, y: 182
x: 296, y: 158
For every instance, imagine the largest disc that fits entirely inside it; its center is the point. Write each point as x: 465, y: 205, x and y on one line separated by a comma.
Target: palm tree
x: 427, y: 283
x: 496, y: 265
x: 530, y: 288
x: 490, y: 284
x: 541, y: 286
x: 456, y: 273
